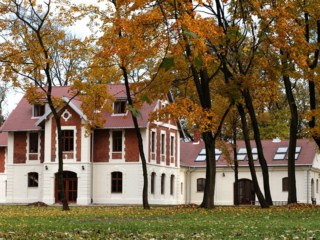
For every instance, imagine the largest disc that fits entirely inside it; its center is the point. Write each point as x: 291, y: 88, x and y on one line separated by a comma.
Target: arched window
x: 200, y: 184
x: 116, y: 182
x: 153, y: 181
x: 33, y: 179
x: 285, y: 184
x: 171, y: 184
x: 163, y: 179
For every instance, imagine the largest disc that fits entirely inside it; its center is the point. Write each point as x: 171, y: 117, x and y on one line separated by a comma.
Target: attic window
x: 282, y: 153
x: 119, y: 107
x: 242, y: 154
x: 202, y: 155
x: 38, y: 110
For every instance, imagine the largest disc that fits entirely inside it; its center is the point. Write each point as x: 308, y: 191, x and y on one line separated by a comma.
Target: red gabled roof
x: 190, y: 151
x: 21, y: 119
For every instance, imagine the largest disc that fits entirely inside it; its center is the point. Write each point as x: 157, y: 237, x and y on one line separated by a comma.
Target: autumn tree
x: 37, y: 54
x: 131, y: 47
x: 3, y: 95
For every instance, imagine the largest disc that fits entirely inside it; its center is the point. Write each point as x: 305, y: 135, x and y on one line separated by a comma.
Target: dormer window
x: 119, y: 107
x: 38, y: 110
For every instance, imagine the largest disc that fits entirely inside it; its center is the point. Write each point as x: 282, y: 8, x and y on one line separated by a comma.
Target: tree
x: 237, y: 53
x: 38, y: 54
x: 3, y: 94
x: 132, y: 47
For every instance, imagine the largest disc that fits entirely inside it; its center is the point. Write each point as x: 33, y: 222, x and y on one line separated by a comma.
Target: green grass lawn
x: 25, y: 222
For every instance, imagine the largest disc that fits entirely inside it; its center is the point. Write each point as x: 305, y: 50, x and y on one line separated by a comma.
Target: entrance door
x: 70, y: 186
x: 246, y: 192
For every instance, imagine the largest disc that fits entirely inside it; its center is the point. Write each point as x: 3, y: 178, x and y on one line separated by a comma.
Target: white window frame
x: 172, y: 153
x: 33, y: 111
x: 111, y: 145
x: 113, y: 107
x: 74, y: 128
x: 155, y: 144
x: 28, y: 147
x: 163, y: 146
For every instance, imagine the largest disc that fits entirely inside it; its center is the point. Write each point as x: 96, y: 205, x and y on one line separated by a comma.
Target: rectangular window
x: 171, y: 145
x: 67, y: 140
x: 119, y: 107
x: 285, y: 184
x: 163, y: 143
x: 33, y: 142
x: 38, y: 110
x: 201, y: 184
x: 153, y: 142
x: 33, y: 179
x: 116, y: 182
x: 153, y: 178
x: 117, y: 141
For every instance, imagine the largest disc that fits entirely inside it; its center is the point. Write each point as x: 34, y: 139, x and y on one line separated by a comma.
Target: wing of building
x: 307, y: 172
x: 105, y: 167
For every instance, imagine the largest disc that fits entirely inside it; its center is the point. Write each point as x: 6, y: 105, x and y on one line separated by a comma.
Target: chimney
x: 276, y: 140
x: 196, y: 136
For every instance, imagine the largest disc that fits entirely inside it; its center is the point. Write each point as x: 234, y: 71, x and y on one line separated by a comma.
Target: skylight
x: 282, y: 153
x: 242, y: 154
x: 202, y: 155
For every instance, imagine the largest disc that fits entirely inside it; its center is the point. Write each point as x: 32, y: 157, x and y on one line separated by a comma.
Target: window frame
x: 172, y: 145
x: 117, y: 141
x: 285, y: 184
x: 38, y: 110
x: 116, y: 182
x: 172, y: 178
x: 119, y: 107
x: 201, y: 183
x: 32, y: 138
x: 152, y: 183
x: 163, y: 182
x: 153, y: 141
x: 68, y: 144
x: 33, y: 179
x: 163, y: 144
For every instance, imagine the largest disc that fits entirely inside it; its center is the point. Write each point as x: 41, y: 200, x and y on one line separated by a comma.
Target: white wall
x: 224, y: 184
x: 133, y: 184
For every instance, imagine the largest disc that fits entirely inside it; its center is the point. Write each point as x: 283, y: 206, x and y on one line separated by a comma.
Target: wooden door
x: 246, y: 192
x: 70, y: 185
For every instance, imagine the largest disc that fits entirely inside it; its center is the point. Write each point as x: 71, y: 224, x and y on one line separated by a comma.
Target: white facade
x: 224, y: 190
x: 93, y: 178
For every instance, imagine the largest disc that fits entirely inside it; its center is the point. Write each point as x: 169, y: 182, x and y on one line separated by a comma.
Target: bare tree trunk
x: 208, y: 195
x: 292, y: 190
x: 257, y: 138
x: 236, y: 166
x: 262, y: 200
x: 140, y: 143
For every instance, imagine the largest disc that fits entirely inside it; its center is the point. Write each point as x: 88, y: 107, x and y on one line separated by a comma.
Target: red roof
x: 21, y: 119
x: 190, y: 152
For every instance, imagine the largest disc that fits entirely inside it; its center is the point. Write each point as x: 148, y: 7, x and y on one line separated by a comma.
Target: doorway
x: 246, y: 192
x: 70, y: 185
